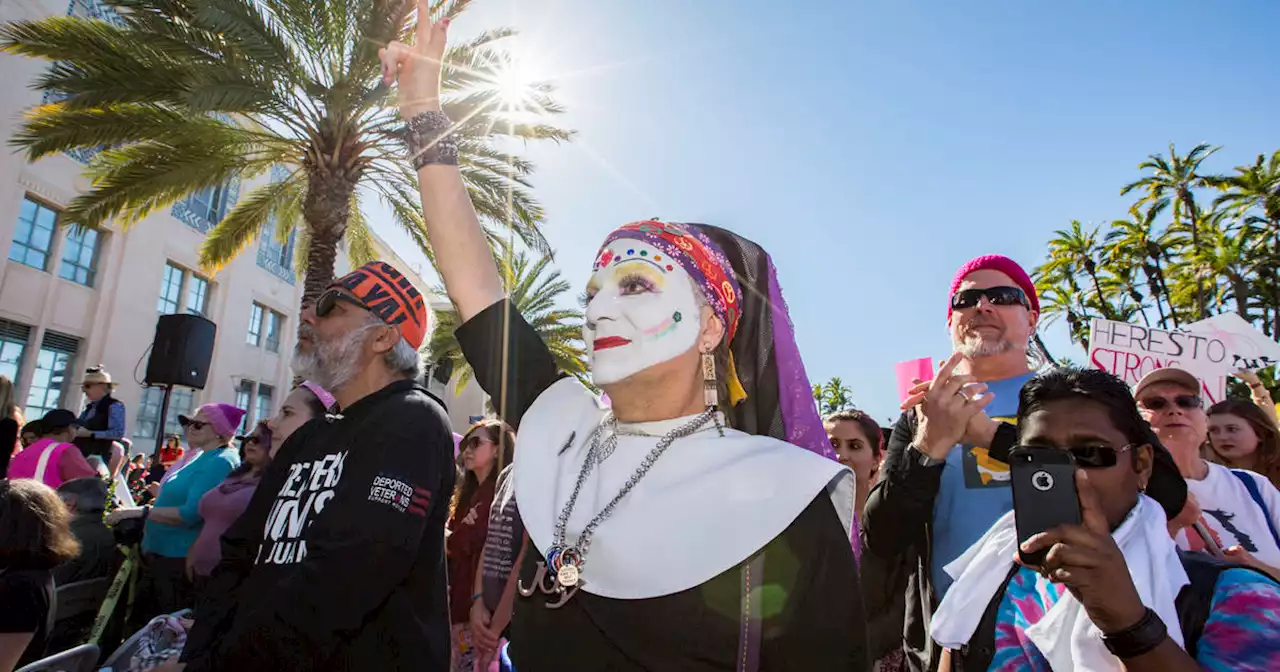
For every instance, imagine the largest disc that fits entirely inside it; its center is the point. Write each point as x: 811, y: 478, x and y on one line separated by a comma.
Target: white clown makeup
x: 642, y: 310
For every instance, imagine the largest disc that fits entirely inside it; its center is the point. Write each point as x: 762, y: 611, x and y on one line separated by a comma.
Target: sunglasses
x: 192, y: 424
x: 330, y: 298
x: 998, y: 296
x: 471, y: 442
x: 1092, y: 457
x: 1184, y: 401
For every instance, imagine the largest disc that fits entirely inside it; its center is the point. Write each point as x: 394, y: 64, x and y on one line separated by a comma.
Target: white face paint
x: 642, y: 310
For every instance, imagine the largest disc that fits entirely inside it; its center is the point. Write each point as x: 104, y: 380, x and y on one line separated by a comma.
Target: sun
x: 514, y: 83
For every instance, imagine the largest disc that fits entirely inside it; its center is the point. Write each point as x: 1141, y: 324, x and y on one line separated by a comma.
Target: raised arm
x: 461, y: 248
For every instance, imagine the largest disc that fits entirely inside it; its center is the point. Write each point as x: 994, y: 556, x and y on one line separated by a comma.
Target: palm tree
x: 1254, y: 193
x: 535, y: 288
x: 1171, y: 183
x: 832, y: 396
x: 1076, y: 251
x: 1134, y: 241
x: 187, y: 95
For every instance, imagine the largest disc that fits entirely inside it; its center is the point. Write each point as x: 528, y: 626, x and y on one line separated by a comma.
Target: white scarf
x: 1065, y: 635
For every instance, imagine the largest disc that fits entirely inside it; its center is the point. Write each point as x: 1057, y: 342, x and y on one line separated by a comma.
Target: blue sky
x: 873, y: 147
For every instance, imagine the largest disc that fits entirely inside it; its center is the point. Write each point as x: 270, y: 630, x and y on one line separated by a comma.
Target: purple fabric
x: 795, y: 395
x: 220, y: 507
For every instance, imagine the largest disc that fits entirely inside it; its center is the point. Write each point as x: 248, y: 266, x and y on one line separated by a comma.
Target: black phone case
x: 1044, y: 494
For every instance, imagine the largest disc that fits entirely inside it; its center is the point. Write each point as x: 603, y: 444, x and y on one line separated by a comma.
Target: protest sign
x: 1247, y: 347
x: 1131, y: 351
x: 911, y: 370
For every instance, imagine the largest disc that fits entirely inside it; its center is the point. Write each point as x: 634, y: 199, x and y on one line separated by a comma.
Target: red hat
x: 996, y: 262
x: 389, y: 295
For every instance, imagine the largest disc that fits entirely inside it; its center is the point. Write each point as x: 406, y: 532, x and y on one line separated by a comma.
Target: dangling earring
x: 710, y: 388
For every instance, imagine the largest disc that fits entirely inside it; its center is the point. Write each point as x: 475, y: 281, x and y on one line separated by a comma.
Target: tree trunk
x: 1241, y: 289
x: 1154, y: 286
x: 1189, y: 202
x: 1103, y: 304
x: 1168, y: 296
x: 325, y: 210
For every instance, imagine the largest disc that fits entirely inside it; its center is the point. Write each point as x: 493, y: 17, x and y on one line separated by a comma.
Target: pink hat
x: 223, y: 418
x: 996, y: 262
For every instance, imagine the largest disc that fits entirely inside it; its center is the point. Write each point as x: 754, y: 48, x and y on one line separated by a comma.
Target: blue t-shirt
x: 974, y: 492
x: 184, y: 491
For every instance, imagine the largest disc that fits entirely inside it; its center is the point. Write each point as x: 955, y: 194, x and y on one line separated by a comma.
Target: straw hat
x: 97, y: 374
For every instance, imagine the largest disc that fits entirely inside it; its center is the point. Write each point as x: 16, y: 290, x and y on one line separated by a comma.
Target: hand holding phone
x: 1044, y: 494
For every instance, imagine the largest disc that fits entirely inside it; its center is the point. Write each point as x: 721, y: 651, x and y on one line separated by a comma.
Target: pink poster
x: 921, y: 369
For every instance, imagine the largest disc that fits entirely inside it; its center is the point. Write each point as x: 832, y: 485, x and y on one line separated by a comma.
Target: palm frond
x: 244, y: 223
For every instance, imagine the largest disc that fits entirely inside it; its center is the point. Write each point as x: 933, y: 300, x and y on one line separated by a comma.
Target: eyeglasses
x: 998, y: 296
x: 1091, y: 457
x: 192, y: 424
x: 88, y: 386
x: 330, y: 298
x: 1184, y: 401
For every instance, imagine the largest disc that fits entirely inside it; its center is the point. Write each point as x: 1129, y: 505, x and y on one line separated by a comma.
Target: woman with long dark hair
x: 1243, y: 436
x: 35, y: 537
x: 485, y: 450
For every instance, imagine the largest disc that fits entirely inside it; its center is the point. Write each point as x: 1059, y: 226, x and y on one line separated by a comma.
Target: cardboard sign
x: 1247, y: 347
x: 1131, y: 351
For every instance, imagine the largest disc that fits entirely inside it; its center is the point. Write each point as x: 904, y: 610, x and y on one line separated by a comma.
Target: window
x: 210, y: 203
x: 13, y: 343
x: 57, y: 353
x: 263, y: 410
x: 254, y: 337
x: 170, y: 289
x: 197, y: 295
x: 34, y: 235
x: 274, y: 320
x: 181, y: 401
x: 80, y: 256
x: 244, y: 400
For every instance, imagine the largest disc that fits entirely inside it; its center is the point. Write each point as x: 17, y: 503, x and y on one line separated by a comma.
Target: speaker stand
x: 160, y: 423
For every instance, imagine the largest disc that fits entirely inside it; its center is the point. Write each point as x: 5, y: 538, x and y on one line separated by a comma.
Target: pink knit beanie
x: 996, y: 262
x: 224, y: 418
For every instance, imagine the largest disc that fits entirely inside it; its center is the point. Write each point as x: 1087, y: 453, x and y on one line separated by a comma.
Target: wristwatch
x: 921, y: 457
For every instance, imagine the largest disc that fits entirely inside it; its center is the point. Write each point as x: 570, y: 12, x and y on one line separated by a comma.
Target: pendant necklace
x: 564, y: 562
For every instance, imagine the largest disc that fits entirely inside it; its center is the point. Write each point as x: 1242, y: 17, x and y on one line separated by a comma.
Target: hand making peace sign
x: 416, y: 68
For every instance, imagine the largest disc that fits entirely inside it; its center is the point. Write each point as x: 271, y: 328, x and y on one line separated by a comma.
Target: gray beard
x: 974, y: 347
x: 334, y: 363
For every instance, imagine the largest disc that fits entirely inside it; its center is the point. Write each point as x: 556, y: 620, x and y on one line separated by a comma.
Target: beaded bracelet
x: 428, y: 138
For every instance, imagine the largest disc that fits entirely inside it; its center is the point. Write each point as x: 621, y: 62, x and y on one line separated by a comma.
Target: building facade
x: 72, y: 299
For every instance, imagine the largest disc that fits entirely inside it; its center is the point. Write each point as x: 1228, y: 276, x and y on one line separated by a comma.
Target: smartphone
x: 1044, y: 494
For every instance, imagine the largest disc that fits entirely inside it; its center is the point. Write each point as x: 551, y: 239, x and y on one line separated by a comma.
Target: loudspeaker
x: 181, y: 351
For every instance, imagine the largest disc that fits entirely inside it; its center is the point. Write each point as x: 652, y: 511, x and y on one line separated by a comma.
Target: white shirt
x: 705, y: 505
x: 1233, y: 516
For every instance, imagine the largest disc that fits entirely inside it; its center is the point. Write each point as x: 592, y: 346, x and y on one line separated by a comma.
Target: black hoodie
x: 338, y: 561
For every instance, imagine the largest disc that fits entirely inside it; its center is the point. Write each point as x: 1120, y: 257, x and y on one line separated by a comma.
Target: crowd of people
x: 699, y: 515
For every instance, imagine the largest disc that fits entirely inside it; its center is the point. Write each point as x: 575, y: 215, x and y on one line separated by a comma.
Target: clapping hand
x: 416, y: 68
x: 1086, y: 559
x: 950, y: 409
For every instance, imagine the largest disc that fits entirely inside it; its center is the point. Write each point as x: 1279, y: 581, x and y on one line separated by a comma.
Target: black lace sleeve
x: 499, y: 331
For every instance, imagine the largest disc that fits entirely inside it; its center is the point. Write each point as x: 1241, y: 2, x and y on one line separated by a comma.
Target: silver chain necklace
x: 565, y: 561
